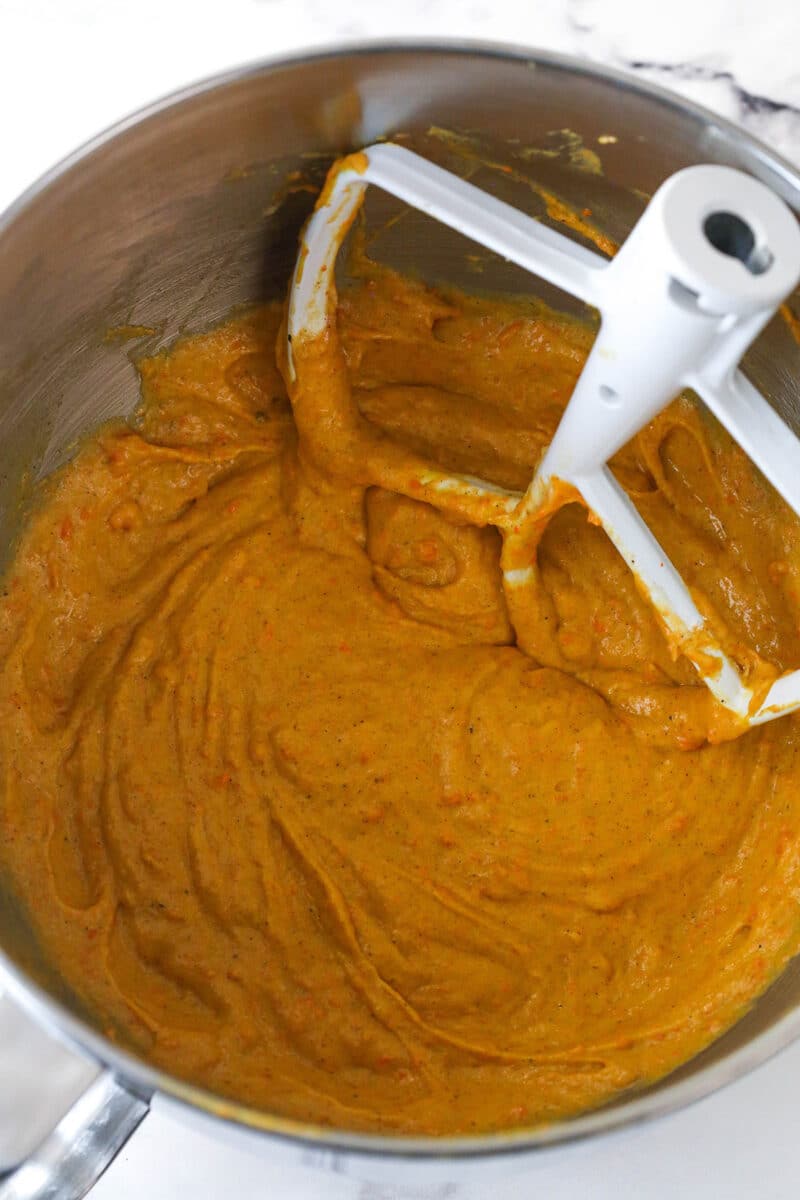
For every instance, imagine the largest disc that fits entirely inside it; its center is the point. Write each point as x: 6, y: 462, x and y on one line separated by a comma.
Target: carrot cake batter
x: 294, y: 814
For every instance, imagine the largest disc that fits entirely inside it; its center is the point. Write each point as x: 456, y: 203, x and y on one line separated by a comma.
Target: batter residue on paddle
x: 294, y: 815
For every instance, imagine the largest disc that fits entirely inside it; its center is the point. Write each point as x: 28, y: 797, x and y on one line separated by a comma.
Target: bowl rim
x: 145, y: 1080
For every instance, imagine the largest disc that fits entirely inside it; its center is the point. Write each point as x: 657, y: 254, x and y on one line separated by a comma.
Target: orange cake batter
x: 293, y: 813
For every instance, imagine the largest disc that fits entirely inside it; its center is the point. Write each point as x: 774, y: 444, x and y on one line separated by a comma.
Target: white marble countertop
x: 71, y: 67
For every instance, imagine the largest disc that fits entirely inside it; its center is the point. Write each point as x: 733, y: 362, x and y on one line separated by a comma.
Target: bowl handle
x: 70, y: 1160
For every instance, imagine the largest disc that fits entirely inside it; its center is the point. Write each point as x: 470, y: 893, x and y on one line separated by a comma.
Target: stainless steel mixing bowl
x: 191, y: 207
